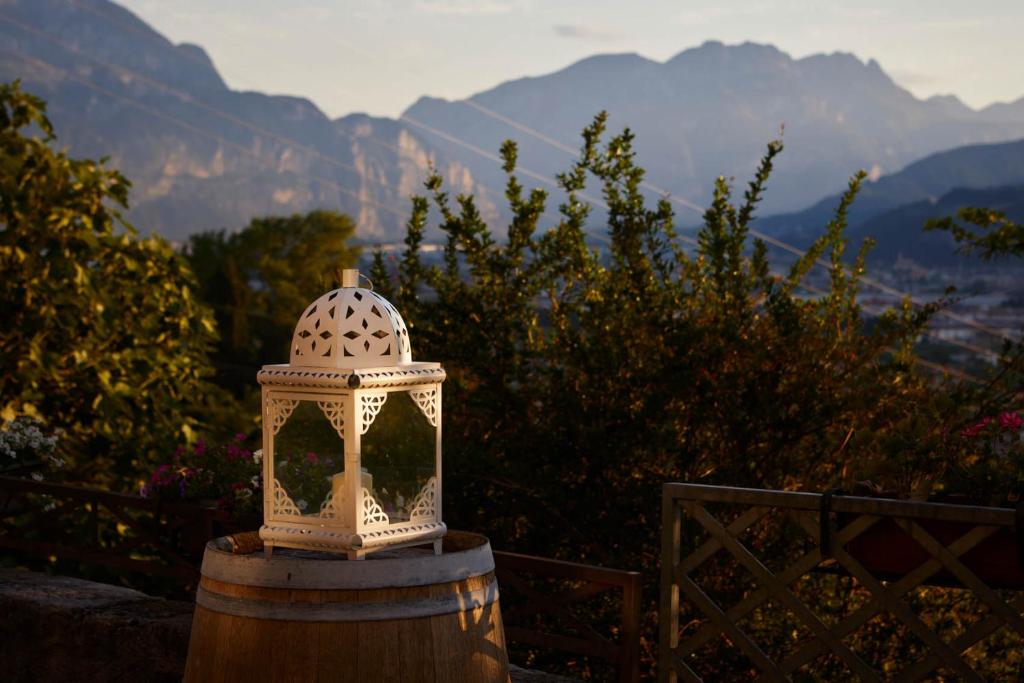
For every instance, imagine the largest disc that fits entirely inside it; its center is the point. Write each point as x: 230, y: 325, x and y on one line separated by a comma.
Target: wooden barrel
x: 401, y: 615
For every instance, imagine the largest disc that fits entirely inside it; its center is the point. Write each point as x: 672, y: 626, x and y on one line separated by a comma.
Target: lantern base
x: 355, y: 545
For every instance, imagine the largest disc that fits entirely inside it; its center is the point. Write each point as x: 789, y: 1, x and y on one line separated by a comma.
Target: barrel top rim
x: 465, y: 554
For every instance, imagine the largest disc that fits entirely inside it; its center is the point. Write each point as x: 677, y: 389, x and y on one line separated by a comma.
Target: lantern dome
x: 350, y: 327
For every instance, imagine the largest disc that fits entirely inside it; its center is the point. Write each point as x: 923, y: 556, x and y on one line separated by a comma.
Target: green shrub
x: 259, y: 279
x: 581, y: 379
x: 103, y: 336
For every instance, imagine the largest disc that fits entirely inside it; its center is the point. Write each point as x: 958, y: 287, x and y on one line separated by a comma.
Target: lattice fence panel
x: 780, y: 586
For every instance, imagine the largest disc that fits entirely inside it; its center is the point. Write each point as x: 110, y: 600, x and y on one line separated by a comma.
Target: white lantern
x: 351, y: 432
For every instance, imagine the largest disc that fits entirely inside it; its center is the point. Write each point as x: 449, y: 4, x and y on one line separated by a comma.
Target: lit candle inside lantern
x: 338, y: 486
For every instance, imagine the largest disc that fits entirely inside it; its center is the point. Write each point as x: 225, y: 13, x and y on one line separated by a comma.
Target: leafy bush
x: 259, y: 279
x: 581, y: 379
x: 987, y: 233
x: 103, y: 336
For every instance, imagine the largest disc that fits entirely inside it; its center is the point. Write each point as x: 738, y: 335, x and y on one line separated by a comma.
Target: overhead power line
x: 689, y: 240
x: 871, y: 282
x: 936, y: 367
x: 493, y: 157
x: 63, y: 73
x: 682, y: 201
x: 158, y: 40
x: 189, y: 99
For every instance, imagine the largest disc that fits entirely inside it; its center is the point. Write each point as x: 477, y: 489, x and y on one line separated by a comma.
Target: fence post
x: 629, y: 666
x: 668, y: 609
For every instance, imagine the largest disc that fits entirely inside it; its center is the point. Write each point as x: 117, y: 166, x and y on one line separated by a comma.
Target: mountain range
x: 710, y: 110
x: 203, y: 156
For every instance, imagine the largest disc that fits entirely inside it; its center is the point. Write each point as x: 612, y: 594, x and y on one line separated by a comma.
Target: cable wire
x: 63, y: 73
x: 871, y: 282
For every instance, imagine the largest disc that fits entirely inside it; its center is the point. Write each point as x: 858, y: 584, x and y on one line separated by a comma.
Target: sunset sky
x: 378, y: 56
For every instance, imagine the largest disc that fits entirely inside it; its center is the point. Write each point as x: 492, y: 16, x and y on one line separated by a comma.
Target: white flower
x: 255, y: 481
x: 24, y: 435
x: 257, y: 456
x: 301, y: 504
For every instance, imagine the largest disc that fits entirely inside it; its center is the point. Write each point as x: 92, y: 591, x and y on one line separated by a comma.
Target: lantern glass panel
x: 309, y: 458
x: 398, y: 452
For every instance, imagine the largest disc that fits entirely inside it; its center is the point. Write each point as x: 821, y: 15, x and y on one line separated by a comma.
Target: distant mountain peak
x: 950, y: 104
x: 196, y: 53
x: 716, y: 52
x: 610, y: 62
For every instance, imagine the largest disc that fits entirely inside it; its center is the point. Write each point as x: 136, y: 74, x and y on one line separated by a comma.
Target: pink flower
x: 1011, y: 421
x: 161, y: 475
x: 236, y: 452
x: 975, y: 429
x: 200, y: 447
x: 311, y: 457
x: 239, y: 436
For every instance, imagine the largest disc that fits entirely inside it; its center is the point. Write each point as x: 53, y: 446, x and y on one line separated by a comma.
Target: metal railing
x: 774, y: 585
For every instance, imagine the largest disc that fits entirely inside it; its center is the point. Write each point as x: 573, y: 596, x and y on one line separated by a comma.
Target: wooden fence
x: 144, y: 537
x: 539, y: 594
x: 120, y: 532
x: 779, y: 586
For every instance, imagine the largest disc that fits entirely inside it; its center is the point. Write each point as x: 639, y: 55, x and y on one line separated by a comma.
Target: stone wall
x: 56, y: 628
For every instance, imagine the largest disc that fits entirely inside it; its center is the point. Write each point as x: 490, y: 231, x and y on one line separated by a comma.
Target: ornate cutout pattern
x: 424, y: 507
x: 283, y: 504
x: 401, y: 332
x: 280, y: 410
x: 335, y: 412
x: 373, y: 513
x: 371, y: 405
x: 352, y: 327
x: 427, y: 401
x: 327, y: 509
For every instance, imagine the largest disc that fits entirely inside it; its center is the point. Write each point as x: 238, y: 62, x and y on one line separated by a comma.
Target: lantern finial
x: 350, y: 277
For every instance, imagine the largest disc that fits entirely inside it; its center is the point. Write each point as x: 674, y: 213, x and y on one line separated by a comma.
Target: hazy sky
x: 378, y: 56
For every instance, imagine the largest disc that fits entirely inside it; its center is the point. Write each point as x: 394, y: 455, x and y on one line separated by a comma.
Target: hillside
x: 898, y: 232
x: 972, y: 167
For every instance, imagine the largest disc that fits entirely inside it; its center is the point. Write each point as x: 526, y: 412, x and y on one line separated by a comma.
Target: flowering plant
x: 229, y: 475
x: 306, y: 476
x: 990, y: 466
x: 23, y: 443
